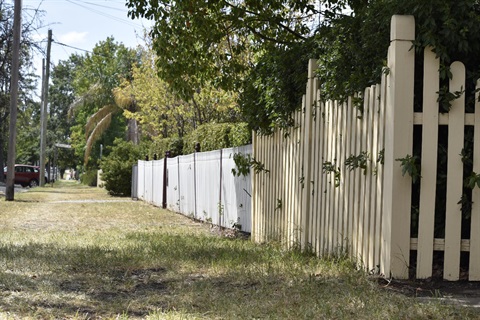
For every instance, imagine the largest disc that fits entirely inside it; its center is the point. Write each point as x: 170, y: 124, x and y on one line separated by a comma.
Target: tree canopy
x: 27, y: 80
x: 197, y: 41
x: 95, y: 109
x: 261, y: 48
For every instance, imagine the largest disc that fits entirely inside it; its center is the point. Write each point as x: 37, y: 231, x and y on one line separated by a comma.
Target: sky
x: 81, y: 24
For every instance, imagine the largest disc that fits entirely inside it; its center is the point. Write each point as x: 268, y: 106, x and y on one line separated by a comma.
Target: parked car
x: 25, y: 175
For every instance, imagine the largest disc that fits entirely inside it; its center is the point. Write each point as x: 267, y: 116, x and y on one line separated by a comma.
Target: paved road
x: 18, y: 188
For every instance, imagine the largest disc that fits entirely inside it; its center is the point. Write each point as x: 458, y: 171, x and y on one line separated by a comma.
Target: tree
x: 61, y: 96
x: 230, y: 41
x: 252, y: 47
x: 200, y: 41
x: 27, y: 79
x: 96, y: 113
x: 162, y: 114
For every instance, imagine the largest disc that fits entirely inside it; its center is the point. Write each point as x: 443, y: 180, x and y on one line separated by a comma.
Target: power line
x: 103, y: 6
x: 72, y: 47
x: 78, y: 3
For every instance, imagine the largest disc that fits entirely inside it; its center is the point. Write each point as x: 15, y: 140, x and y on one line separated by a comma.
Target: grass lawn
x: 73, y: 252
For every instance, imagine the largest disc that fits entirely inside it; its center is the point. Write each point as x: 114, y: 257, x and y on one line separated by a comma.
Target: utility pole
x: 17, y: 33
x: 44, y: 113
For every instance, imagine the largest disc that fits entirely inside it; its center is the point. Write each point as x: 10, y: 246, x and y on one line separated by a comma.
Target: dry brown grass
x: 72, y: 252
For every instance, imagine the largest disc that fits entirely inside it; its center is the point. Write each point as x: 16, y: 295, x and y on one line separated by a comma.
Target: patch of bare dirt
x: 432, y: 288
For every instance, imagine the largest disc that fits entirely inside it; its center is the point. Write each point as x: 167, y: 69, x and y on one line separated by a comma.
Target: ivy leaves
x: 411, y: 166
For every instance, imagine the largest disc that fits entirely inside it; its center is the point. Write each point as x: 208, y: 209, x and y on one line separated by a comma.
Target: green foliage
x: 89, y: 178
x: 279, y: 204
x: 261, y: 48
x: 28, y: 138
x: 240, y: 134
x: 473, y: 180
x: 330, y: 167
x: 411, y: 166
x: 466, y: 205
x: 381, y: 156
x: 117, y: 167
x: 214, y: 136
x: 353, y: 162
x: 243, y: 163
x: 95, y: 111
x: 445, y: 98
x: 27, y: 82
x: 199, y: 41
x: 274, y: 87
x: 161, y: 146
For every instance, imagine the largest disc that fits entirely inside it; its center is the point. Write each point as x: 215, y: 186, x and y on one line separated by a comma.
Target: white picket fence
x: 201, y: 186
x: 310, y: 197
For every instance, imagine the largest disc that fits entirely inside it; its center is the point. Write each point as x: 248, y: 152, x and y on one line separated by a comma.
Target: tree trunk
x: 2, y: 158
x: 132, y: 132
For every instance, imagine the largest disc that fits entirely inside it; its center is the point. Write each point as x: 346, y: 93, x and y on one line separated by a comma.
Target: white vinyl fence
x: 200, y: 185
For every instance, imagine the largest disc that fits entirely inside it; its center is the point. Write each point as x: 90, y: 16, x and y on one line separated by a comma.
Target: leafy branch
x: 445, y: 98
x: 329, y: 167
x: 473, y: 180
x: 353, y: 162
x: 410, y: 164
x: 243, y: 164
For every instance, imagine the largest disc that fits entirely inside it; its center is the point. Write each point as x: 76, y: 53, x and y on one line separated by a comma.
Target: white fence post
x: 398, y: 144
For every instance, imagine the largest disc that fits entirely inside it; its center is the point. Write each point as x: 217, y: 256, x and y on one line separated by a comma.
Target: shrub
x: 89, y: 178
x: 117, y: 167
x: 214, y: 136
x: 160, y: 146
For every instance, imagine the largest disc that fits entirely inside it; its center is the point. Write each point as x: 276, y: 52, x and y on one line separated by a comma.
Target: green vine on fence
x: 445, y: 98
x: 353, y: 162
x: 358, y: 104
x: 381, y: 156
x: 473, y: 180
x: 329, y: 167
x: 279, y: 204
x: 244, y: 162
x: 410, y: 164
x: 466, y: 205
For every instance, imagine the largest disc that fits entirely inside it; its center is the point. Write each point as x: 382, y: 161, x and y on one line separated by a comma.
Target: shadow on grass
x: 152, y: 272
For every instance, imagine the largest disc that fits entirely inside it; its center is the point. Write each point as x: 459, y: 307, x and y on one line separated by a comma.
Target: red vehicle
x: 25, y: 175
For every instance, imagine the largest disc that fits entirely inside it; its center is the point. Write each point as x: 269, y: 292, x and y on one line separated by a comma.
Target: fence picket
x: 453, y: 221
x: 379, y: 166
x: 335, y: 161
x: 348, y: 176
x: 429, y: 165
x: 370, y: 175
x: 357, y: 183
x: 343, y: 184
x: 316, y: 194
